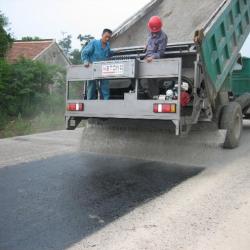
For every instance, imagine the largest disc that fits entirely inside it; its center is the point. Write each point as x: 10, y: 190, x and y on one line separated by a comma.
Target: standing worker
x: 97, y: 50
x: 157, y: 41
x: 155, y: 48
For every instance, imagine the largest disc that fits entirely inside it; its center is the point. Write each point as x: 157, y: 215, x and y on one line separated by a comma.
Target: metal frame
x: 130, y: 107
x: 218, y: 44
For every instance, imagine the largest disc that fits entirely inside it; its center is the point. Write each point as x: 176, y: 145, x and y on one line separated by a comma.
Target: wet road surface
x: 55, y: 197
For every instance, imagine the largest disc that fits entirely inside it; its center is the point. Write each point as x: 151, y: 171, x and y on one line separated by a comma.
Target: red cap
x: 155, y: 24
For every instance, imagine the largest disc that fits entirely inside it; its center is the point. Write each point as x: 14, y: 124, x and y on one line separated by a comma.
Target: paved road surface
x: 55, y: 197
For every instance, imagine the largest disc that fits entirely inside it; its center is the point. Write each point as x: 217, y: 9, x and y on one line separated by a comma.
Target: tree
x: 30, y: 38
x: 24, y: 86
x: 85, y: 39
x: 75, y: 57
x: 5, y: 36
x: 66, y: 43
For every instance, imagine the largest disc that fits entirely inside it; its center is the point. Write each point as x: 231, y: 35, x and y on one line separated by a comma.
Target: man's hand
x: 149, y: 59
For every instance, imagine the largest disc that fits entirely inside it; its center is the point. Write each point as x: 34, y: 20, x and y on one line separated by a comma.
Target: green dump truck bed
x: 240, y: 79
x: 223, y: 39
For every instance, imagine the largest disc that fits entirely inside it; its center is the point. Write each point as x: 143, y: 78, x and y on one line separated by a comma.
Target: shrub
x: 25, y: 88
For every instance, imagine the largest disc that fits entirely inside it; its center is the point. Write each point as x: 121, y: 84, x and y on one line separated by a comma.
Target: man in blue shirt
x: 97, y: 50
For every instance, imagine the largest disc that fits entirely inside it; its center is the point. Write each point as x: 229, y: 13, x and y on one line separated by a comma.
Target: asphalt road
x: 55, y: 197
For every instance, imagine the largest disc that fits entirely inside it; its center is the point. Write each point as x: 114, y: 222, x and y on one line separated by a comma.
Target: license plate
x: 113, y: 69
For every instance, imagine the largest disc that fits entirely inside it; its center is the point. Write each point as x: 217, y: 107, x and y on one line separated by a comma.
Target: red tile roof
x: 27, y: 49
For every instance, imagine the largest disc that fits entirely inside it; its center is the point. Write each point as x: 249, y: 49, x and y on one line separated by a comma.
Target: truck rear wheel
x: 244, y: 101
x: 231, y: 120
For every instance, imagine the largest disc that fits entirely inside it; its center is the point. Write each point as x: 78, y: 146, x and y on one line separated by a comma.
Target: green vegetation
x: 5, y: 36
x: 30, y: 38
x: 66, y: 44
x: 26, y: 84
x: 85, y: 39
x: 41, y: 123
x: 75, y: 57
x: 32, y: 94
x: 31, y: 97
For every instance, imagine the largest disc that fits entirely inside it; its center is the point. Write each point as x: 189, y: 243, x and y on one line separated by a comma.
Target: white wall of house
x: 54, y: 55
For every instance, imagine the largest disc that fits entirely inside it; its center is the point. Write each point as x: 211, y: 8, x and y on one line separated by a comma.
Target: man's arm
x: 87, y: 52
x: 111, y: 53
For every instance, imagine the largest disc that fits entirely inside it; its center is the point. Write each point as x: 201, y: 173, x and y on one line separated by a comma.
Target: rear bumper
x: 143, y: 109
x: 124, y: 109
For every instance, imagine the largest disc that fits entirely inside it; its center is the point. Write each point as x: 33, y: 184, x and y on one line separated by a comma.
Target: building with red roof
x: 47, y: 51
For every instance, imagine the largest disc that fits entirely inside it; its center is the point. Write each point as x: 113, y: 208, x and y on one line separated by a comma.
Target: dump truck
x: 239, y: 83
x: 205, y: 42
x: 240, y: 78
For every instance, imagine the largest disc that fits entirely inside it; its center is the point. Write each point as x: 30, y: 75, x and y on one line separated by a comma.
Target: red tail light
x: 75, y: 107
x: 164, y: 108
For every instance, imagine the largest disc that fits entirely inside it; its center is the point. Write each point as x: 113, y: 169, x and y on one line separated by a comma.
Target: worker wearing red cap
x: 157, y: 41
x: 155, y: 48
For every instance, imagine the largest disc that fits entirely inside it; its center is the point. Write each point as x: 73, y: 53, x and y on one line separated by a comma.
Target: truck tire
x: 244, y: 101
x: 231, y: 120
x: 247, y: 115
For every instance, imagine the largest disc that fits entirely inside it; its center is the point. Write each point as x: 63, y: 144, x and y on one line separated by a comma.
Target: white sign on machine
x: 112, y: 69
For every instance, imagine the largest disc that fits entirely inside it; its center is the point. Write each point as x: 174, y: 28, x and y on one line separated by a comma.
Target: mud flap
x: 71, y: 123
x: 152, y: 140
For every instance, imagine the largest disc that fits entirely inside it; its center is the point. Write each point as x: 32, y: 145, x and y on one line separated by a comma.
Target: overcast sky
x: 48, y: 18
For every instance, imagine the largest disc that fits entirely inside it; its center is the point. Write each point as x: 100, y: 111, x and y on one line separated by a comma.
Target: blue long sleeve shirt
x: 156, y: 45
x: 95, y: 52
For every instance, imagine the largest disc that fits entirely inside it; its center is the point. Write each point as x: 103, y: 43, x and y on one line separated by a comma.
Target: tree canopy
x: 24, y: 86
x: 66, y: 43
x: 30, y: 38
x: 5, y: 37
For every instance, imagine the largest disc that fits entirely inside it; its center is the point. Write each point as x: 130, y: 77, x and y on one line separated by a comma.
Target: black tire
x: 247, y: 116
x: 244, y: 101
x: 231, y: 120
x: 217, y: 115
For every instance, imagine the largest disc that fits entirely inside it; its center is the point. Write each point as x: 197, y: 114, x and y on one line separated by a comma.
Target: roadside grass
x: 44, y: 122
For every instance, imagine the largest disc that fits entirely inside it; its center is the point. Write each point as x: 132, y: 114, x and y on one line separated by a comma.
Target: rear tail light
x: 164, y: 108
x: 75, y: 107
